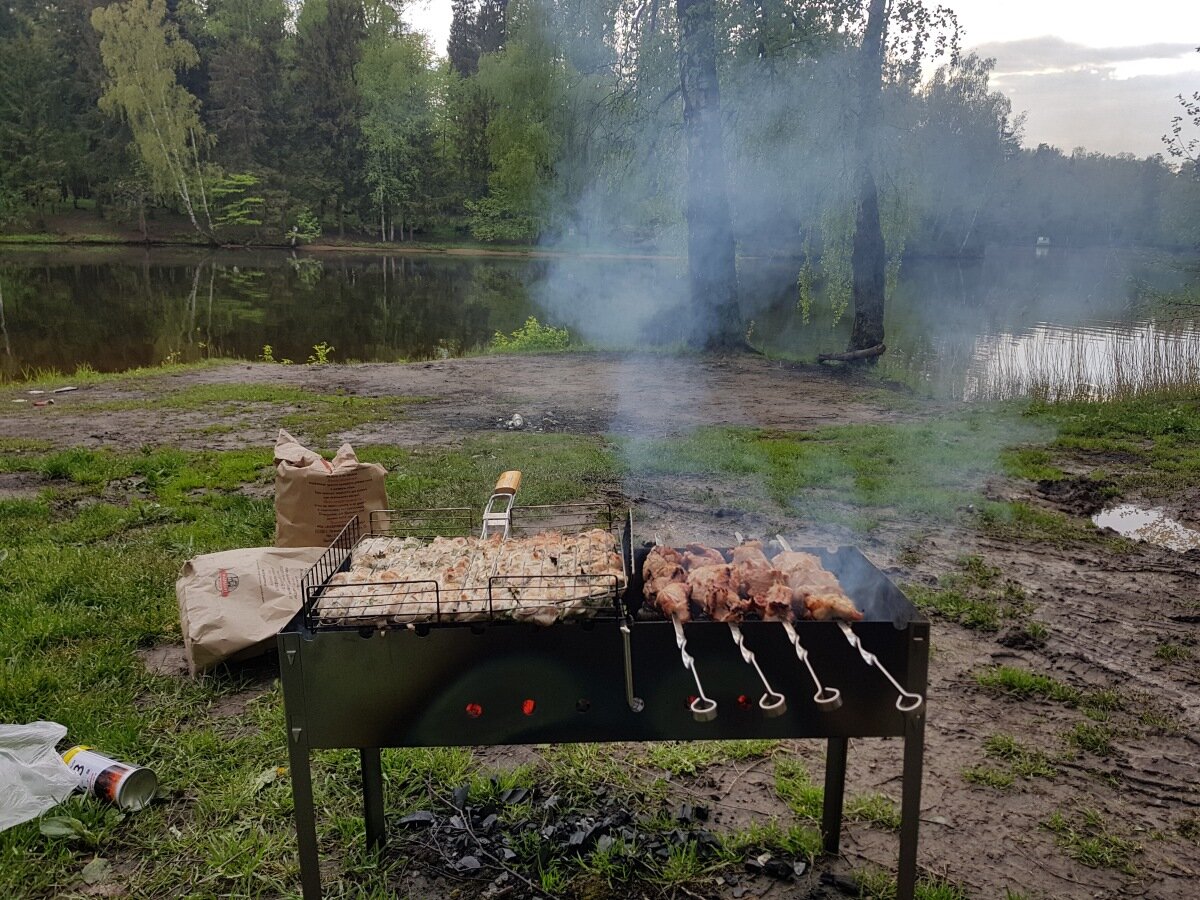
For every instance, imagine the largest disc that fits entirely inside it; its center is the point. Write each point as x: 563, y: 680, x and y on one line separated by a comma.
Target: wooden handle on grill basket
x: 508, y: 482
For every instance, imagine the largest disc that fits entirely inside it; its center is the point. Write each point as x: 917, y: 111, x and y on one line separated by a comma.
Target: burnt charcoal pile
x: 504, y: 842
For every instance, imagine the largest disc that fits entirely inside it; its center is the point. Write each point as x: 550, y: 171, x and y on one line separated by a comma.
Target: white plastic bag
x: 33, y: 776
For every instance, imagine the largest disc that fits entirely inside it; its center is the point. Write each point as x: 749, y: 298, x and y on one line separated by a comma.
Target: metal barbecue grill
x: 367, y: 681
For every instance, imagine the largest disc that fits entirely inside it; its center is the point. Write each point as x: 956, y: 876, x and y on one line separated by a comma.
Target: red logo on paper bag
x: 227, y: 582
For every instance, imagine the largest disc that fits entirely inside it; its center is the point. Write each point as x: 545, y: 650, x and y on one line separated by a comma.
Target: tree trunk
x: 868, y: 259
x: 712, y: 270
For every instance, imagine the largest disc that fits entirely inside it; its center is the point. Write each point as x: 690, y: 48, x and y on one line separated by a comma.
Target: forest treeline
x: 547, y: 121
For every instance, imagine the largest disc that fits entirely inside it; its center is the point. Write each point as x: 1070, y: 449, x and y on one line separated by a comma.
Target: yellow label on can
x: 70, y: 754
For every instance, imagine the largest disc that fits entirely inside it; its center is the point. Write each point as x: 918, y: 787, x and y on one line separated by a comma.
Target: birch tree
x: 142, y: 51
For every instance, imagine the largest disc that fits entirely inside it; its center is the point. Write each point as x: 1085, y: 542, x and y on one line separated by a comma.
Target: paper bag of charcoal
x: 315, y: 497
x: 232, y: 604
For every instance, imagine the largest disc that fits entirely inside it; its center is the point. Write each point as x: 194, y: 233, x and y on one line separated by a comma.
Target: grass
x: 86, y: 581
x: 860, y: 475
x: 1093, y: 738
x: 1086, y: 837
x: 1169, y: 651
x: 876, y: 884
x: 1023, y: 685
x: 690, y: 757
x: 975, y: 596
x: 1157, y: 436
x: 1013, y: 760
x: 805, y: 799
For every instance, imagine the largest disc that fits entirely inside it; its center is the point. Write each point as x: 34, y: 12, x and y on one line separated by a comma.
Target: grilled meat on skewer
x: 672, y: 600
x: 714, y: 588
x: 816, y: 587
x: 697, y: 555
x: 751, y: 552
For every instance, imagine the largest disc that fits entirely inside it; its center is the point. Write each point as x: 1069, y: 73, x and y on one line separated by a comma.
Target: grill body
x: 471, y: 684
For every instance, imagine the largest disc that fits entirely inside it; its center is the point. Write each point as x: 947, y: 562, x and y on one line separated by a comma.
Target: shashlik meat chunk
x: 715, y: 590
x: 775, y: 604
x: 816, y: 587
x: 750, y: 552
x: 697, y: 555
x: 672, y: 600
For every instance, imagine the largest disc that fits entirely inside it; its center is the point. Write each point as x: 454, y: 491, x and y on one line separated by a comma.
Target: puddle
x: 1150, y: 525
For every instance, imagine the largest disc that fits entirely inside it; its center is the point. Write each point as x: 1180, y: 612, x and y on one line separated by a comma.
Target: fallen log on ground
x: 853, y: 355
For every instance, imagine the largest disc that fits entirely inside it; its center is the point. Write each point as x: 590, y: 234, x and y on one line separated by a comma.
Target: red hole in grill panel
x: 691, y: 699
x: 528, y: 707
x: 743, y: 702
x: 474, y: 710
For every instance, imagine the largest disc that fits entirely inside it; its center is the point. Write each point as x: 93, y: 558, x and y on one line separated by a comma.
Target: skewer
x: 907, y: 701
x: 704, y: 709
x: 826, y: 698
x: 772, y: 703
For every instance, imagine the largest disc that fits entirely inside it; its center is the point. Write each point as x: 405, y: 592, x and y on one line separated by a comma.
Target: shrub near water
x: 533, y: 336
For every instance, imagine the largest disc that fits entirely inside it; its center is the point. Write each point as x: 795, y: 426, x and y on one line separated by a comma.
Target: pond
x: 1012, y: 323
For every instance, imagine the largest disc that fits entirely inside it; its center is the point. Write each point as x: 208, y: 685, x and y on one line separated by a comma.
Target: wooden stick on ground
x: 852, y: 355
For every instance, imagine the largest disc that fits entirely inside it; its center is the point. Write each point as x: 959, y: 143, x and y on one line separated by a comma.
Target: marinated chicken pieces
x: 789, y: 586
x: 540, y: 579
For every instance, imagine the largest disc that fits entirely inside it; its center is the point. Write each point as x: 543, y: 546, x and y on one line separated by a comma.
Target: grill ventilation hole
x: 474, y: 710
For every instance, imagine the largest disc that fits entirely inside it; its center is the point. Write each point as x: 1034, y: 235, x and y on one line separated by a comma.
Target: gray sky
x: 1102, y: 75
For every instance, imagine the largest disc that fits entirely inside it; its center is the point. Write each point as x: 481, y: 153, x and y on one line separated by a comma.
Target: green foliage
x: 1086, y: 837
x: 1023, y: 684
x: 306, y: 228
x: 320, y: 355
x: 234, y: 204
x: 143, y: 51
x: 532, y: 337
x: 975, y: 597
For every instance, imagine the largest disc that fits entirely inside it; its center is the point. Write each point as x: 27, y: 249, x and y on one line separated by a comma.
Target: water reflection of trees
x: 139, y: 312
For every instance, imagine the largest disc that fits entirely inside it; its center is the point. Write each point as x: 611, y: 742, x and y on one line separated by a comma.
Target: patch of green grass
x: 1093, y: 738
x: 876, y: 884
x: 1024, y: 762
x: 1020, y: 522
x: 689, y: 757
x: 1087, y: 838
x: 795, y: 787
x: 974, y: 597
x: 874, y: 809
x: 1168, y: 651
x: 84, y: 376
x: 986, y: 776
x: 1032, y: 464
x: 930, y: 470
x: 1159, y: 434
x: 794, y: 840
x: 1023, y: 684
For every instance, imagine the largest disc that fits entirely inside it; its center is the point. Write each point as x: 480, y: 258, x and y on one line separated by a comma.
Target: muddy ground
x: 1107, y: 615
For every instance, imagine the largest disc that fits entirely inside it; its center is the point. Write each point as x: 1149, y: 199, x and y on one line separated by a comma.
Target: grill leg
x: 910, y: 804
x: 306, y: 823
x: 372, y: 779
x: 835, y: 787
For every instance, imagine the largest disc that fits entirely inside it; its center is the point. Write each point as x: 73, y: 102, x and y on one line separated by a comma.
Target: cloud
x: 1092, y: 109
x: 1048, y: 53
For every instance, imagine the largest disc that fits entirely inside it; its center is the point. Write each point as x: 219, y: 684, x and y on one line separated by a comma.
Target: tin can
x: 129, y: 787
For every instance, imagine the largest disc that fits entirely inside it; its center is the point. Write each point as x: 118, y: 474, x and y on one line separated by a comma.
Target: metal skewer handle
x: 907, y: 701
x: 772, y: 703
x: 827, y: 699
x: 704, y: 708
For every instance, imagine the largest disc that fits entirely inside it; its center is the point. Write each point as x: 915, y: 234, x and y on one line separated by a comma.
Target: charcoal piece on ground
x: 684, y: 813
x: 420, y: 819
x: 779, y: 868
x: 468, y: 864
x: 488, y: 823
x: 459, y: 798
x: 514, y: 795
x: 604, y: 843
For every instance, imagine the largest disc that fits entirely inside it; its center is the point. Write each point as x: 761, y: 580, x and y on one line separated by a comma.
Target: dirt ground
x: 1107, y: 616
